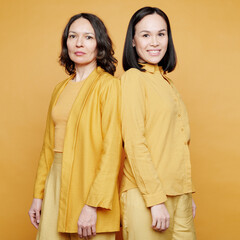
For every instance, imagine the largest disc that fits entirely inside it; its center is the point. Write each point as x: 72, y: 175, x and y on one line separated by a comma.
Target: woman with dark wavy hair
x: 157, y: 184
x: 76, y: 192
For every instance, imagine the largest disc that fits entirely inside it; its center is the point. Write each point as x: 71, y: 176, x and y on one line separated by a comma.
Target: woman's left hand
x: 193, y: 208
x: 87, y: 222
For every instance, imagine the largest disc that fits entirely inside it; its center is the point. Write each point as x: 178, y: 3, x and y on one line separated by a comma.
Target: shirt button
x: 179, y: 115
x: 182, y: 129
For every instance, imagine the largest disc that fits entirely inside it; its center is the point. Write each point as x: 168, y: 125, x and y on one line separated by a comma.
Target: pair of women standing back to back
x: 76, y: 189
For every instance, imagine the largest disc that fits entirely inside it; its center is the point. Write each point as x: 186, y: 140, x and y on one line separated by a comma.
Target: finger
x: 80, y: 231
x: 168, y: 222
x: 154, y: 221
x: 94, y: 230
x: 33, y: 219
x: 158, y: 226
x: 163, y: 225
x: 89, y: 231
x: 84, y: 232
x: 38, y: 215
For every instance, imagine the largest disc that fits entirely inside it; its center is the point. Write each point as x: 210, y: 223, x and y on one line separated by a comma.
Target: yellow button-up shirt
x: 156, y: 133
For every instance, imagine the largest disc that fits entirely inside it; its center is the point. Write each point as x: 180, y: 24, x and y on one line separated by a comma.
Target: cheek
x: 140, y: 46
x: 166, y: 43
x: 69, y: 46
x: 93, y: 48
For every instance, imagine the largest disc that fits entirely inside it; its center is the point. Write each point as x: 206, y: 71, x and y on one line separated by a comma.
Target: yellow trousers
x: 137, y: 220
x: 49, y: 215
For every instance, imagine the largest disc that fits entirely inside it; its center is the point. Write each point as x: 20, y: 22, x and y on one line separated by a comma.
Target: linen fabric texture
x: 156, y: 134
x: 137, y: 219
x: 61, y: 111
x: 91, y: 153
x: 49, y: 214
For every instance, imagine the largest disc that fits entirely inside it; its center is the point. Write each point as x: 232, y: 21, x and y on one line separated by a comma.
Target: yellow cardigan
x: 91, y: 154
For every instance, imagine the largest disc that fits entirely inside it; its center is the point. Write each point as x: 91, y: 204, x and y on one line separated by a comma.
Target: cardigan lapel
x: 71, y: 134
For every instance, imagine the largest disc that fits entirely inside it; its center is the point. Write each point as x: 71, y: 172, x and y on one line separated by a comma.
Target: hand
x: 35, y: 212
x: 160, y: 217
x: 193, y: 208
x: 87, y: 222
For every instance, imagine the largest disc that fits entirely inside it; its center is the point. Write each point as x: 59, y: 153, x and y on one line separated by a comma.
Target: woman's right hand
x: 160, y: 217
x: 35, y: 212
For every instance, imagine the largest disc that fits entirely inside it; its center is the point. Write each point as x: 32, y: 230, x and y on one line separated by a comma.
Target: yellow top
x: 61, y: 110
x: 91, y: 153
x: 156, y: 133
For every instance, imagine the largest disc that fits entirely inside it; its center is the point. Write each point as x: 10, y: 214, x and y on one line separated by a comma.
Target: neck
x: 83, y: 71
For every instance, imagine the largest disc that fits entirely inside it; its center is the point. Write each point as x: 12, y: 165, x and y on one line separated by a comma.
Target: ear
x: 133, y: 43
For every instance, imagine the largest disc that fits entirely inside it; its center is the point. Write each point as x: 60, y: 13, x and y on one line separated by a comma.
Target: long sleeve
x: 46, y: 155
x: 136, y: 146
x: 43, y: 168
x: 104, y: 185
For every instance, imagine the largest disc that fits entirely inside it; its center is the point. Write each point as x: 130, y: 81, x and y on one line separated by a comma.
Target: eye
x: 161, y: 34
x: 89, y: 37
x: 145, y: 35
x: 71, y: 36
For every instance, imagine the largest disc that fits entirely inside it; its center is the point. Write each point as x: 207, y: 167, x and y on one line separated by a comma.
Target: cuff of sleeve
x: 154, y: 199
x: 38, y: 195
x: 98, y: 201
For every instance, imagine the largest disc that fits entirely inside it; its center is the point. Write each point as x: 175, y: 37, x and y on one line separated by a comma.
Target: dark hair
x: 130, y: 57
x: 105, y: 58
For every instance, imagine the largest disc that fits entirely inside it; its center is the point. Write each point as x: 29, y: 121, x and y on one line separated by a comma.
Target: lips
x: 154, y: 52
x: 78, y: 53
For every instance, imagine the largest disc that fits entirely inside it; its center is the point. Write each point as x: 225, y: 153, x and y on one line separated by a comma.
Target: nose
x: 154, y: 41
x: 79, y: 42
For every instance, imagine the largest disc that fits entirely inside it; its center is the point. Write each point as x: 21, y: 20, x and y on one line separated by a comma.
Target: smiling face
x: 151, y: 39
x: 81, y: 43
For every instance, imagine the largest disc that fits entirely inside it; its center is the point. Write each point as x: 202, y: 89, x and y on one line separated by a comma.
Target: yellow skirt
x: 49, y: 215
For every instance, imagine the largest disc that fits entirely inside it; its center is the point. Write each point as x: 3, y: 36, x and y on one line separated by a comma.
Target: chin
x: 154, y: 61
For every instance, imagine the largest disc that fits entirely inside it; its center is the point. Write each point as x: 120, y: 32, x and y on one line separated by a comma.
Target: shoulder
x: 132, y: 78
x: 60, y: 84
x: 132, y: 72
x: 108, y: 81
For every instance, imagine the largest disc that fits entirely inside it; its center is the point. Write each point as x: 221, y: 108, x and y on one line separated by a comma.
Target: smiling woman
x: 151, y: 39
x: 156, y: 186
x: 76, y: 183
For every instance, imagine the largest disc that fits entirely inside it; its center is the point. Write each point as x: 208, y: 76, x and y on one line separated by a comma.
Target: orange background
x: 207, y: 39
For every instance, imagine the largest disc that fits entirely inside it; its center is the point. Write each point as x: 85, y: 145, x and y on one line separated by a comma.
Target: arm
x: 136, y: 146
x: 104, y: 185
x: 46, y: 155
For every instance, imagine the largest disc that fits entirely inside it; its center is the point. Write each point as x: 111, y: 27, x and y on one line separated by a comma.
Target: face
x: 81, y: 43
x: 151, y: 39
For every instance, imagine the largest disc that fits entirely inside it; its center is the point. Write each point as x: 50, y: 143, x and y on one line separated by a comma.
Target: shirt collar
x: 152, y: 68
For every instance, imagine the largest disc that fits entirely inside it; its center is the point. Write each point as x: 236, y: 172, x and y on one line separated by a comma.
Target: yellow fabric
x: 61, y: 110
x: 49, y: 215
x: 156, y: 133
x: 91, y: 153
x: 137, y: 219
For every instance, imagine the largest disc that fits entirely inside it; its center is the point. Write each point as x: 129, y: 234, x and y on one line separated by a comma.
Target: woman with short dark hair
x: 156, y: 191
x: 76, y: 192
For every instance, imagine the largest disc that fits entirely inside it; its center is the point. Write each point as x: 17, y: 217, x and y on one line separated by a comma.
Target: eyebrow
x: 84, y: 32
x: 162, y: 30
